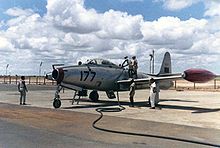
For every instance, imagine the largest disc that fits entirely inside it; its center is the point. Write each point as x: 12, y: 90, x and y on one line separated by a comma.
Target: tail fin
x: 166, y: 65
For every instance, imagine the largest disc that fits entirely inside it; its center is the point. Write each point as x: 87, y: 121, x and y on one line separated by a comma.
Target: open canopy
x: 102, y: 62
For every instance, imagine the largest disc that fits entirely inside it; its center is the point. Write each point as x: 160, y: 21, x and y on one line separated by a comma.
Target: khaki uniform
x: 130, y: 69
x: 132, y: 93
x: 135, y: 67
x: 22, y: 89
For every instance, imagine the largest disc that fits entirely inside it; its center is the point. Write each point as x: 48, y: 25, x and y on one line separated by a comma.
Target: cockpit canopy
x: 101, y: 62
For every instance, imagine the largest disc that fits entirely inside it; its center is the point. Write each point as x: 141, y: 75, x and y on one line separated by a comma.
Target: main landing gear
x: 94, y: 96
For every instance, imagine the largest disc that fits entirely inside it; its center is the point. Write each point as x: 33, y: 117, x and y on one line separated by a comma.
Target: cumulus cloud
x: 69, y: 32
x: 4, y: 43
x: 170, y: 32
x: 212, y: 8
x: 124, y: 27
x: 71, y: 16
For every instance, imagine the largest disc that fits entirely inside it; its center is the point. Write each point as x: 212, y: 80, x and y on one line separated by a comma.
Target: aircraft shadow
x: 105, y: 103
x: 191, y: 108
x: 110, y: 103
x: 177, y: 100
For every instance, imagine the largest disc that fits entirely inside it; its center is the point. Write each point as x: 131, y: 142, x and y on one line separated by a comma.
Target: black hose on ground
x: 112, y: 109
x: 121, y: 108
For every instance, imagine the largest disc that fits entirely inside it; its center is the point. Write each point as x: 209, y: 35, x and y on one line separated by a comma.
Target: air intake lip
x: 58, y: 75
x: 55, y: 74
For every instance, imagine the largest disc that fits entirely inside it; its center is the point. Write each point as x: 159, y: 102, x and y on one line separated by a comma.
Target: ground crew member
x: 22, y: 89
x: 132, y: 93
x: 134, y: 63
x: 127, y: 62
x: 154, y: 93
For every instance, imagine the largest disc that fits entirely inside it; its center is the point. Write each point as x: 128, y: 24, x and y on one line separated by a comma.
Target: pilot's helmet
x: 134, y: 57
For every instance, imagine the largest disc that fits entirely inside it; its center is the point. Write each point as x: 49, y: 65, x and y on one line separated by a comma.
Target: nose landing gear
x: 93, y: 96
x: 56, y: 101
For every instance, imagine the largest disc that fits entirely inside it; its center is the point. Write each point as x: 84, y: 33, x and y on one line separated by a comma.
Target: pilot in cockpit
x: 91, y: 62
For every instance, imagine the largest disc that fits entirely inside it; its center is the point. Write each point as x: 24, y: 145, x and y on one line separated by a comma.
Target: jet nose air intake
x: 58, y: 75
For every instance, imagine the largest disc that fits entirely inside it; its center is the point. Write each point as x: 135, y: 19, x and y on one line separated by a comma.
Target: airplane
x: 103, y: 75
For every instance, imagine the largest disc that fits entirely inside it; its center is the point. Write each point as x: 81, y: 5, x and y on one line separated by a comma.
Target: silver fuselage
x: 103, y: 78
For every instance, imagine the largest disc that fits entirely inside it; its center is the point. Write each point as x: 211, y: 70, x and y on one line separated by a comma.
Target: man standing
x: 22, y: 89
x: 132, y: 93
x: 135, y: 66
x: 127, y: 62
x: 154, y: 93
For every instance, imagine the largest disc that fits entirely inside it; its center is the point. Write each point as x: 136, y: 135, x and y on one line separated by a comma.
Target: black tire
x: 94, y: 96
x: 56, y: 103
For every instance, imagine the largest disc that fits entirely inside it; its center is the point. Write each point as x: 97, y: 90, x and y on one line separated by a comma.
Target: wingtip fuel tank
x: 198, y: 75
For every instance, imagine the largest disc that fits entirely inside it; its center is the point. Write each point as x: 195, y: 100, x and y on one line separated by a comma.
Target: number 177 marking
x: 85, y: 75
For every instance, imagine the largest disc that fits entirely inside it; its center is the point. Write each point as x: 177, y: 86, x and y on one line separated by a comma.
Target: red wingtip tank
x: 198, y: 75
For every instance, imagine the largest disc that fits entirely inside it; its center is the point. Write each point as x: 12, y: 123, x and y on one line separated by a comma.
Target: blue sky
x: 149, y: 9
x: 37, y: 5
x: 66, y: 31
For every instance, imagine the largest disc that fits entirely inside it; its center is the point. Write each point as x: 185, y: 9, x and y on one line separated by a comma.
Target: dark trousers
x: 22, y: 96
x: 134, y: 74
x: 132, y: 100
x: 130, y: 73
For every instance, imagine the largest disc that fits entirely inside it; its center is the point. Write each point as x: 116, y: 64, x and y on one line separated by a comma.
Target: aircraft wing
x: 154, y: 77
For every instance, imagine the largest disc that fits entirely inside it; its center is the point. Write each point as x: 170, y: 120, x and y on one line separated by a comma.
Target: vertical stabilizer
x: 166, y: 65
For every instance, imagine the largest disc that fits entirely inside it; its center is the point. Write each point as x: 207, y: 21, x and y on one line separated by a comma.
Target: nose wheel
x: 56, y: 101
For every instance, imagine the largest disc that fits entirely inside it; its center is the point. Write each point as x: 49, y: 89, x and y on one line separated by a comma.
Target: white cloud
x: 5, y: 46
x: 124, y: 27
x: 15, y: 11
x: 212, y: 8
x: 174, y: 5
x: 71, y: 16
x: 69, y: 32
x: 171, y: 32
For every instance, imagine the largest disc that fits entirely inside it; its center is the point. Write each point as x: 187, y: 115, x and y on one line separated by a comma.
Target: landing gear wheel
x: 56, y: 103
x: 94, y: 96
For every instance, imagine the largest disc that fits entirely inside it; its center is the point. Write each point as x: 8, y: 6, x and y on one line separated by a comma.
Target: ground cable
x: 121, y: 108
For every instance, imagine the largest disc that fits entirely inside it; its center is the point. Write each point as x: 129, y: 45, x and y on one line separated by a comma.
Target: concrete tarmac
x: 185, y: 119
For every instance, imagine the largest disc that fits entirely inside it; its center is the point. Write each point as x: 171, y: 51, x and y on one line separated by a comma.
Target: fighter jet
x: 103, y: 75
